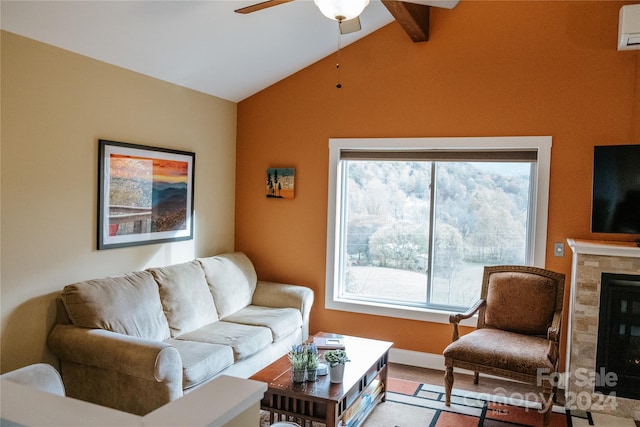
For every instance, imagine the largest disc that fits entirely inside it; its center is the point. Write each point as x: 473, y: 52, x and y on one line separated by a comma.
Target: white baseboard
x: 416, y: 358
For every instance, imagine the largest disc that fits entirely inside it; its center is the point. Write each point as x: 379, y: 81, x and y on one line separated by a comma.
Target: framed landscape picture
x: 280, y: 183
x: 145, y: 194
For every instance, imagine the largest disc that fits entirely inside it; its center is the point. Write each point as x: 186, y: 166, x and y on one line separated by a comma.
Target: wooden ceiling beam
x: 413, y: 18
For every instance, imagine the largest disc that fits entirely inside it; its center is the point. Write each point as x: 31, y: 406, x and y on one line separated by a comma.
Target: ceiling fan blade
x: 259, y: 6
x: 445, y: 4
x: 350, y: 25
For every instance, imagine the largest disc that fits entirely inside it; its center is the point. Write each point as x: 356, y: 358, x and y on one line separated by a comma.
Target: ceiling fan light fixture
x: 341, y: 10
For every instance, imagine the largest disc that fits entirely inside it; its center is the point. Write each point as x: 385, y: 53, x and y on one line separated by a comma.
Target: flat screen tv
x: 616, y: 189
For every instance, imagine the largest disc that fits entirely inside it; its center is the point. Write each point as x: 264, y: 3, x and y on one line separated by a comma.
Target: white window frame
x: 539, y: 200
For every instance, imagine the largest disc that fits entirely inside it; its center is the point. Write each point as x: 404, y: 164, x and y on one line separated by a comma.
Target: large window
x: 412, y: 222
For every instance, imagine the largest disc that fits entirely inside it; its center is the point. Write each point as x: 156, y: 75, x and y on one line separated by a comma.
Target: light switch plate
x: 558, y: 249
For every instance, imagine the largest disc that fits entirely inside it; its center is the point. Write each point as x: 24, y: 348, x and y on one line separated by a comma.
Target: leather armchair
x: 518, y: 331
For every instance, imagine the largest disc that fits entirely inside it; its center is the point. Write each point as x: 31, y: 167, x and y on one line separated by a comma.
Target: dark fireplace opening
x: 619, y: 336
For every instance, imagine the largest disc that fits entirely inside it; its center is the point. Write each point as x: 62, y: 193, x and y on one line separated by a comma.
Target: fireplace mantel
x: 604, y: 248
x: 590, y: 259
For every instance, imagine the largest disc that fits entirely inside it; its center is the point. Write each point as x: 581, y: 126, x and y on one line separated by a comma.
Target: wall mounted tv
x: 616, y: 189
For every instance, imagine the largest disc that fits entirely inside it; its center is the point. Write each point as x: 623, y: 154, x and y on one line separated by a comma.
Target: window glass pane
x: 480, y: 219
x: 387, y: 224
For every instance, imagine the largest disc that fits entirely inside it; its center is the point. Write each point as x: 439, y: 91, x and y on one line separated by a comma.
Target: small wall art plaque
x: 280, y: 183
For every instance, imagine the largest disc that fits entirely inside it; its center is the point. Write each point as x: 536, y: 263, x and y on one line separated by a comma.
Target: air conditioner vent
x: 629, y: 27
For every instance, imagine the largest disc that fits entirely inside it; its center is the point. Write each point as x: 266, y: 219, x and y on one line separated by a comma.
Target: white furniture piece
x: 41, y: 376
x: 225, y: 401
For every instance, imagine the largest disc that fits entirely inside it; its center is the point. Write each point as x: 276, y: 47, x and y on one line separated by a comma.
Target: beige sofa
x: 138, y: 341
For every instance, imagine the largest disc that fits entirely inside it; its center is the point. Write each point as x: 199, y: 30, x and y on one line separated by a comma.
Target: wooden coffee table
x: 321, y: 401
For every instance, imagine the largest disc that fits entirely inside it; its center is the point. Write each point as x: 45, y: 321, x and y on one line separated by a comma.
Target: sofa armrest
x: 123, y: 372
x: 137, y: 357
x: 280, y: 295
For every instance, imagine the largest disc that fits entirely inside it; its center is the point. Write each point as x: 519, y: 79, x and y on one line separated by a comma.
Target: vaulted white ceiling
x: 202, y: 45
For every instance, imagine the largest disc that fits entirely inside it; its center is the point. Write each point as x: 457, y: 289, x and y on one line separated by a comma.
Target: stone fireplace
x: 591, y: 260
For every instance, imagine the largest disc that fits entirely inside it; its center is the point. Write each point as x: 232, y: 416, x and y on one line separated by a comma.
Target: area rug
x: 411, y: 404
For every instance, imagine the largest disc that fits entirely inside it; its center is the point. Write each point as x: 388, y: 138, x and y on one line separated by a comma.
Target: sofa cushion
x: 201, y: 361
x: 185, y: 297
x: 281, y: 321
x: 245, y: 340
x: 232, y: 280
x: 127, y: 304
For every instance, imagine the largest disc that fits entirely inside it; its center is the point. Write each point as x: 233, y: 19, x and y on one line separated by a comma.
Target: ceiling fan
x: 412, y: 15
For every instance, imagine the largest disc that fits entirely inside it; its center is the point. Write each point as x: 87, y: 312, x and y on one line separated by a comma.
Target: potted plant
x: 336, y: 360
x: 304, y: 362
x: 313, y: 360
x: 298, y: 358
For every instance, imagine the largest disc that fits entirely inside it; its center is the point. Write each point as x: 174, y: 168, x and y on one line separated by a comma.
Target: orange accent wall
x: 490, y: 68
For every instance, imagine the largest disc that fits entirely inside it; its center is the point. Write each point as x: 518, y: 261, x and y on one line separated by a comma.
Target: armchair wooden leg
x: 476, y: 375
x: 448, y: 384
x: 547, y: 403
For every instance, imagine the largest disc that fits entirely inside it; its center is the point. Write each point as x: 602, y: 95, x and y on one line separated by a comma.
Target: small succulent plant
x: 336, y: 357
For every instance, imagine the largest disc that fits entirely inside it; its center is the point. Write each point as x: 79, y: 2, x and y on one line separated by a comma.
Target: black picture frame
x: 145, y: 194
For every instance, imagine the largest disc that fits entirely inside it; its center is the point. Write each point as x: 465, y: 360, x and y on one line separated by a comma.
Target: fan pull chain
x: 339, y: 85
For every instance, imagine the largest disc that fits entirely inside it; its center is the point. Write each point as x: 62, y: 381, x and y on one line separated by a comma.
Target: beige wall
x: 55, y: 107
